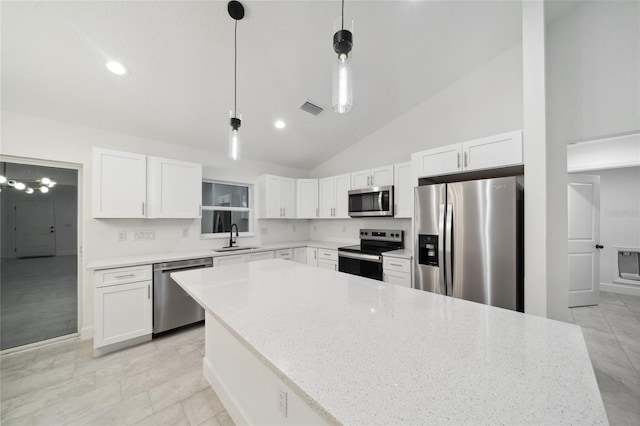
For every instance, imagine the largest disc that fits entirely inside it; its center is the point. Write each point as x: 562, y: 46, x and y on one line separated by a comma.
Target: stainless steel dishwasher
x: 172, y: 306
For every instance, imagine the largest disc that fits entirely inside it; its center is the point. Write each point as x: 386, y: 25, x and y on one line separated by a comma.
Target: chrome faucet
x: 231, y: 239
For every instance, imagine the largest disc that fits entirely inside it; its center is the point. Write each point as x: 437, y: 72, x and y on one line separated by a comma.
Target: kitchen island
x: 294, y: 344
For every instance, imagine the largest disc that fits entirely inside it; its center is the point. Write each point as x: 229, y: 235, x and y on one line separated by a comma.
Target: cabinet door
x: 403, y: 190
x: 397, y: 278
x: 229, y: 260
x: 119, y: 184
x: 361, y: 179
x: 327, y: 197
x: 307, y: 198
x: 328, y: 264
x: 494, y: 151
x: 342, y: 187
x: 252, y: 257
x: 272, y: 196
x: 288, y: 197
x: 312, y: 256
x: 122, y: 312
x: 382, y: 176
x: 438, y: 161
x: 174, y: 189
x: 300, y: 255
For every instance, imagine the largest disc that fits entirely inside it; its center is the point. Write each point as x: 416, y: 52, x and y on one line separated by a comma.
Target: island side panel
x: 248, y: 389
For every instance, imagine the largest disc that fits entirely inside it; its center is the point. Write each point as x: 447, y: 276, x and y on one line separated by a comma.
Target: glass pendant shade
x: 342, y: 99
x: 234, y: 139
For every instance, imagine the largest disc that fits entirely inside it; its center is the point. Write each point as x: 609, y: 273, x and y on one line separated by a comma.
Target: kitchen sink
x: 238, y: 248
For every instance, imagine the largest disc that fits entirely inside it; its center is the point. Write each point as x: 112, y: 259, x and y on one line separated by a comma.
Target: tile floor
x: 155, y: 383
x: 161, y: 382
x: 612, y: 333
x: 38, y: 299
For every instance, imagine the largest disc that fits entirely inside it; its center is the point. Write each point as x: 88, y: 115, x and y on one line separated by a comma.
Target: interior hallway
x: 38, y: 299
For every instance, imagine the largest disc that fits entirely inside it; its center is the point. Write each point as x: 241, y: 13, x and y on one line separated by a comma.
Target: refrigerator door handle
x: 441, y: 283
x: 448, y: 252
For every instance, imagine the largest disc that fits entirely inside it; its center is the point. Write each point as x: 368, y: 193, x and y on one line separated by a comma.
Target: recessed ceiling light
x: 117, y: 68
x: 279, y: 124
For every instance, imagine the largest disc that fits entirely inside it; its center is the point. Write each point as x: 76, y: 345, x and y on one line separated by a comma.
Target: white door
x: 312, y: 256
x: 34, y: 228
x: 583, y: 194
x: 403, y: 190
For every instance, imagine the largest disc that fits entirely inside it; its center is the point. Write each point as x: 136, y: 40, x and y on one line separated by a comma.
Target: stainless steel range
x: 365, y: 259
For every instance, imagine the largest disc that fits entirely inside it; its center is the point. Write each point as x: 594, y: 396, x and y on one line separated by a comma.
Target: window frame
x: 249, y: 209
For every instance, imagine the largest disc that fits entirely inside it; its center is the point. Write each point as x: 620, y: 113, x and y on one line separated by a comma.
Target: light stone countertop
x: 370, y: 352
x: 402, y: 253
x: 144, y: 259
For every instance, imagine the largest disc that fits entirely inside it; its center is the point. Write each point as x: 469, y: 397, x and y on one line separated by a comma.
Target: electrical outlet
x: 282, y: 401
x: 185, y: 233
x: 294, y: 228
x: 344, y: 228
x: 144, y: 235
x: 122, y: 236
x: 315, y: 228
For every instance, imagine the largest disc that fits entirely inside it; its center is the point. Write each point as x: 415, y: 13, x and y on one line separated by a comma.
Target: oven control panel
x: 396, y: 235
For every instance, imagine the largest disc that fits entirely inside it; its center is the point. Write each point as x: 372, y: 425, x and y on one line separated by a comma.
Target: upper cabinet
x: 486, y: 153
x: 403, y: 190
x: 334, y: 196
x: 307, y: 199
x: 174, y: 188
x: 276, y: 197
x: 381, y: 176
x: 127, y: 185
x: 119, y: 184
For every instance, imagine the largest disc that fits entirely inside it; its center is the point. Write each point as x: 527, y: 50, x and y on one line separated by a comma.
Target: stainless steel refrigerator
x: 469, y: 240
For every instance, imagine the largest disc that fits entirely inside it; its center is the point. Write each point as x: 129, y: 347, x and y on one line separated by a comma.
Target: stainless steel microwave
x: 372, y: 202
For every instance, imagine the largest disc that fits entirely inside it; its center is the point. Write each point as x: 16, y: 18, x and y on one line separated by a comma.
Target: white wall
x: 30, y: 137
x: 487, y: 101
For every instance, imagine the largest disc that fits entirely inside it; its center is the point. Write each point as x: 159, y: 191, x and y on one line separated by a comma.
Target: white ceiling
x: 180, y: 88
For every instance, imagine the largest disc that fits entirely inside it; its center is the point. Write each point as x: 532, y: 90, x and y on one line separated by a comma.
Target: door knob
x: 598, y: 246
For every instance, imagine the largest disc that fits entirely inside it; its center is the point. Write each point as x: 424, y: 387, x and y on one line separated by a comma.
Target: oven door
x: 364, y: 265
x: 371, y: 202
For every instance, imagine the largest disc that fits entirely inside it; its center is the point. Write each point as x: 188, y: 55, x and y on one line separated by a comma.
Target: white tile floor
x: 161, y: 382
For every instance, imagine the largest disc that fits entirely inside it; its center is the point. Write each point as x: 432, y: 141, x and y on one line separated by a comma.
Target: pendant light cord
x: 235, y: 70
x: 343, y: 14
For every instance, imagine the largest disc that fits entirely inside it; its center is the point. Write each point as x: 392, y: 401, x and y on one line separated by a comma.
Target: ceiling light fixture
x: 20, y: 185
x: 44, y: 189
x: 29, y: 190
x: 236, y: 11
x: 342, y: 78
x: 117, y: 68
x: 279, y: 124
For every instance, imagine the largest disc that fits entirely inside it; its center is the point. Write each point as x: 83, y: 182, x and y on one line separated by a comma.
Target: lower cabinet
x: 328, y: 264
x: 123, y: 310
x: 396, y: 271
x: 300, y: 254
x: 328, y: 259
x: 263, y: 255
x: 284, y: 254
x: 230, y: 260
x: 312, y: 256
x: 398, y: 278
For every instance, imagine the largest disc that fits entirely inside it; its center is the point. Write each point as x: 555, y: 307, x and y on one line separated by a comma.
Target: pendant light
x: 342, y: 79
x: 236, y: 11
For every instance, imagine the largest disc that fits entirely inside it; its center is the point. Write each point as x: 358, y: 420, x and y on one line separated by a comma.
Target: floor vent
x: 311, y: 108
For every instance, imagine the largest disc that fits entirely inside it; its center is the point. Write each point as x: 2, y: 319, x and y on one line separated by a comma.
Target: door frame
x: 80, y: 235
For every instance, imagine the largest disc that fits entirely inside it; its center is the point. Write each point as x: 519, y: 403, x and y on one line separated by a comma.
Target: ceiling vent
x: 311, y: 108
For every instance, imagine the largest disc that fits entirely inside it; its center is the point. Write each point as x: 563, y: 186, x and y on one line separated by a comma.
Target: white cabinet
x: 307, y: 198
x: 403, y: 190
x: 485, y: 153
x: 285, y: 254
x: 334, y: 196
x: 263, y: 255
x: 277, y: 197
x: 229, y: 260
x: 396, y: 271
x: 123, y: 306
x: 381, y: 176
x: 300, y: 254
x: 328, y: 259
x: 127, y: 185
x: 312, y: 256
x: 174, y: 188
x: 119, y: 184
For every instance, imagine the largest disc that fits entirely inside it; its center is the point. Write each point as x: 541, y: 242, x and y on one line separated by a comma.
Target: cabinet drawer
x: 253, y: 257
x: 396, y: 264
x: 131, y: 274
x: 328, y: 254
x: 397, y: 278
x: 286, y: 254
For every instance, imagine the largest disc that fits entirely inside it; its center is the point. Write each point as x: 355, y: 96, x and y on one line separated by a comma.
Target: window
x: 224, y: 204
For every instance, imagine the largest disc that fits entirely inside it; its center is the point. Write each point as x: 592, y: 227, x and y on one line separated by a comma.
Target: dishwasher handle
x: 185, y: 268
x: 183, y: 264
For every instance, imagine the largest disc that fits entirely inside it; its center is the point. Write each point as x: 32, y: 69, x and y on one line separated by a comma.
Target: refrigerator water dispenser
x: 428, y: 250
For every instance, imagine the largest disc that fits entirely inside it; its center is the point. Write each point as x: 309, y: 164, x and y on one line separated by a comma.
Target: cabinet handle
x: 143, y: 208
x: 148, y: 292
x: 396, y: 264
x: 315, y: 253
x: 465, y: 159
x: 316, y: 212
x: 368, y: 180
x: 125, y: 276
x: 335, y: 267
x: 372, y: 180
x: 458, y: 160
x: 284, y: 212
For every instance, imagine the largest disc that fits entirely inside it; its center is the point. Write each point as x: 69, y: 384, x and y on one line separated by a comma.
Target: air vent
x: 311, y: 108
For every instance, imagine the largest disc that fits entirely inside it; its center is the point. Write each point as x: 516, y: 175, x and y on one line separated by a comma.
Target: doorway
x: 39, y: 253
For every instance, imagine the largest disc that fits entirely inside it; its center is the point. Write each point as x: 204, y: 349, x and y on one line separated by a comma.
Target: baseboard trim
x: 39, y: 344
x: 86, y: 333
x: 234, y: 410
x: 632, y: 290
x: 121, y: 345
